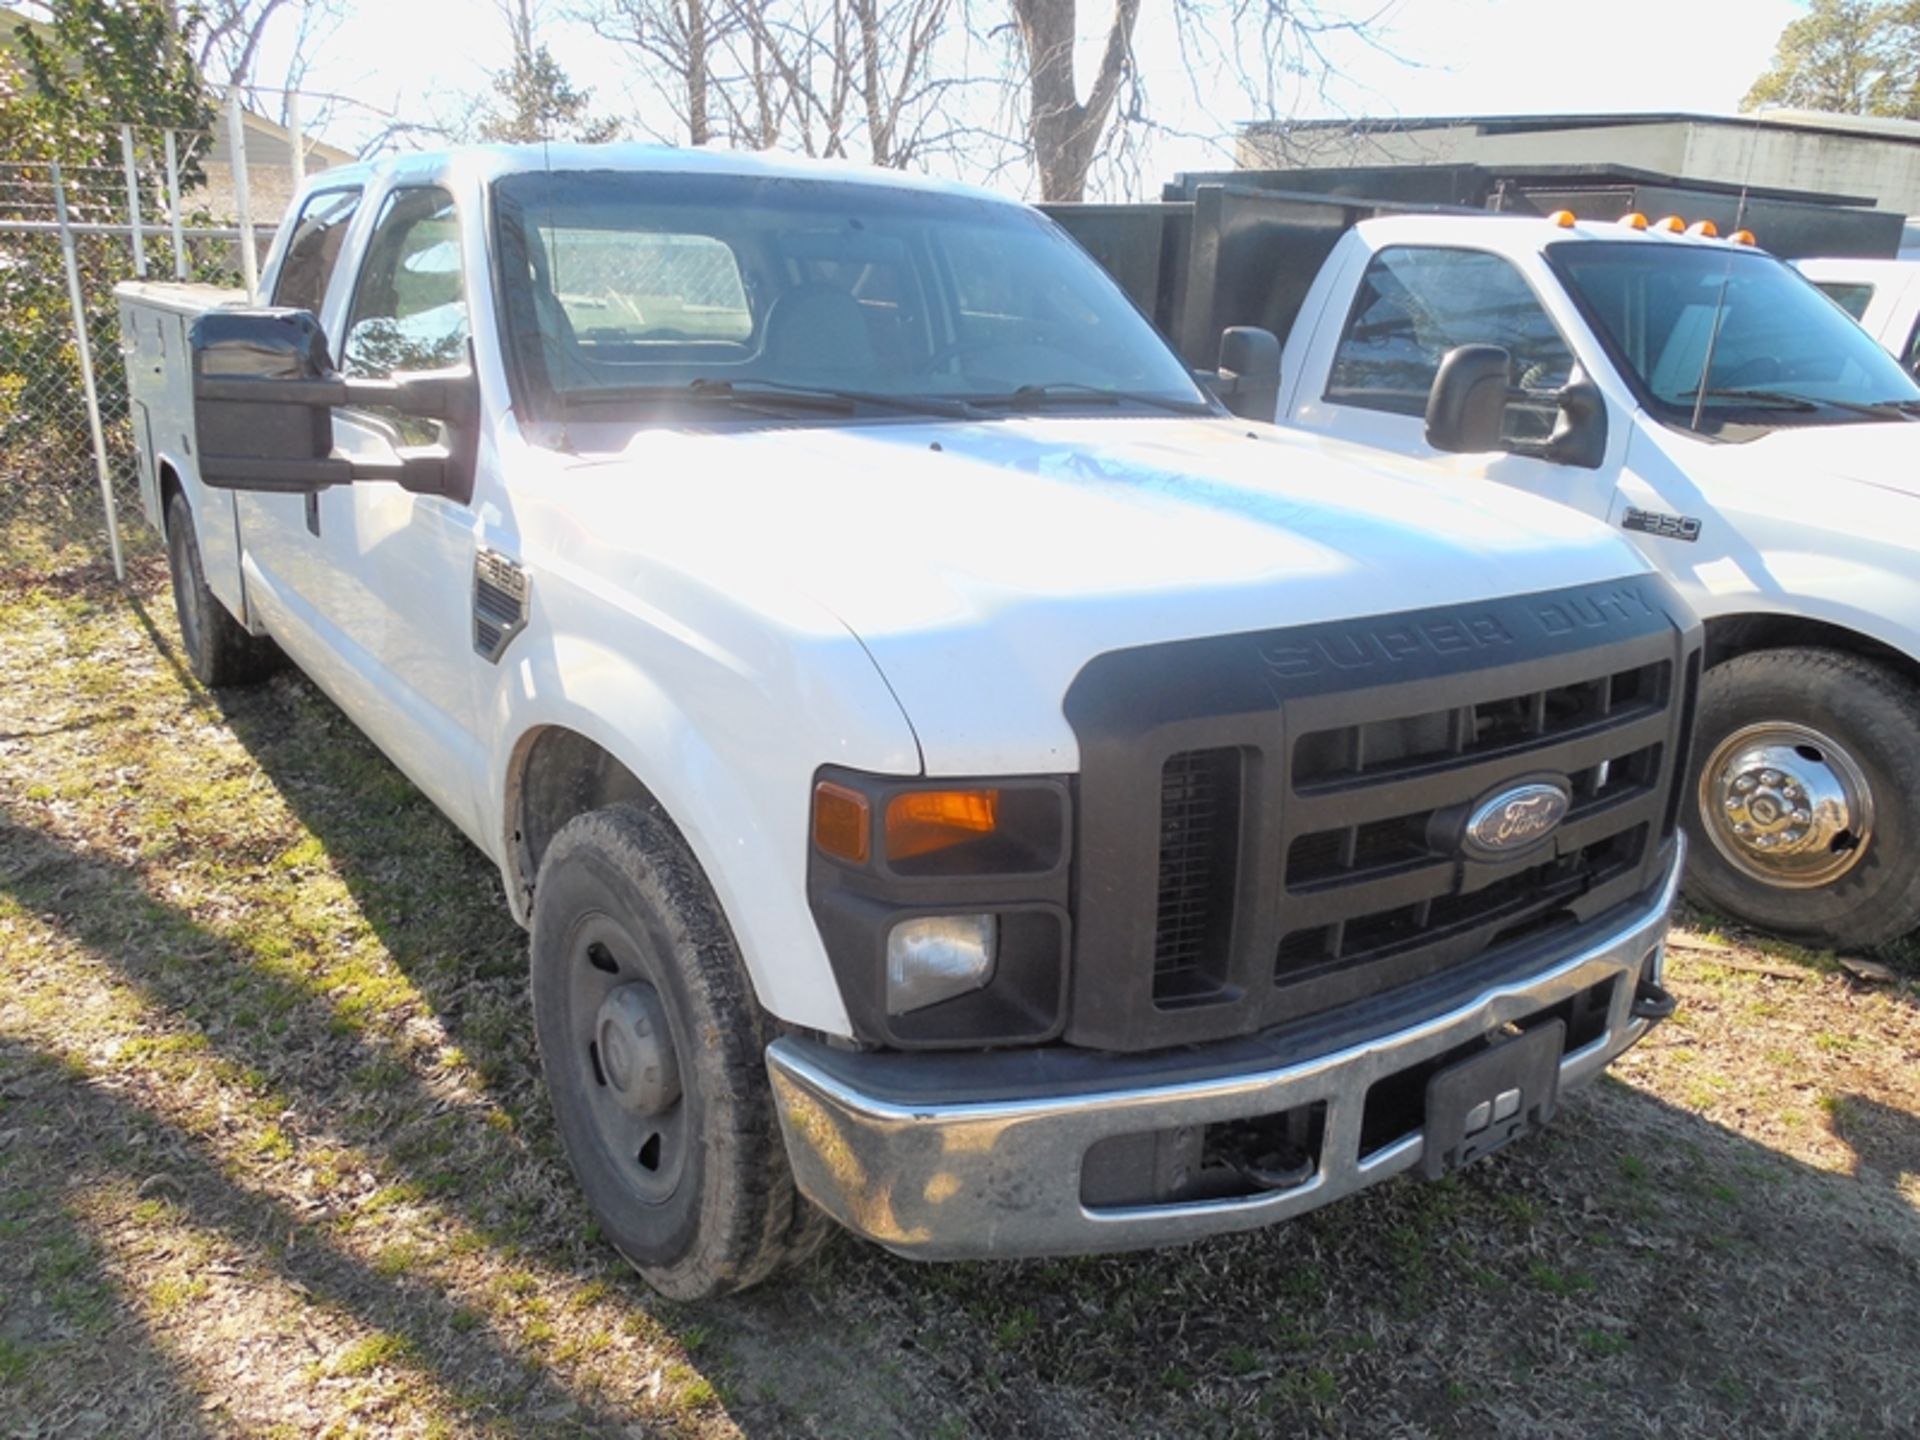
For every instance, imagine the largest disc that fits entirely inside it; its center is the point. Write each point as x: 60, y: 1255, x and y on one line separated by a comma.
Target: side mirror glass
x: 264, y: 389
x: 1248, y: 380
x: 1467, y: 406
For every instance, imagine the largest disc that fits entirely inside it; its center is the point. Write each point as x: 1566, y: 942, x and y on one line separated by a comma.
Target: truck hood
x: 983, y: 564
x: 1882, y: 454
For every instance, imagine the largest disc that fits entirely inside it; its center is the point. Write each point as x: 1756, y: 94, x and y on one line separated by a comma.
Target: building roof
x: 1876, y: 127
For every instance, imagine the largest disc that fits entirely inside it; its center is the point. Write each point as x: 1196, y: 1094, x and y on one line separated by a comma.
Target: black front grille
x: 1199, y: 831
x: 1299, y: 847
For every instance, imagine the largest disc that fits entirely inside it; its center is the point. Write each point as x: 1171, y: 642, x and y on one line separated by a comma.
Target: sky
x: 419, y: 58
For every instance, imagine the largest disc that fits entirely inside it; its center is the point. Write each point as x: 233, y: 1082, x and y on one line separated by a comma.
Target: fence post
x: 85, y: 348
x: 243, y: 210
x: 173, y: 209
x: 298, y: 142
x: 133, y: 202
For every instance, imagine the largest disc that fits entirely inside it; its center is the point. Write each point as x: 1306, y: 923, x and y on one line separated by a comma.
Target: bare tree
x: 833, y: 77
x: 1252, y: 55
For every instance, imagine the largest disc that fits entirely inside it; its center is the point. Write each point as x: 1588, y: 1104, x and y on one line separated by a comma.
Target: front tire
x: 219, y: 650
x: 653, y: 1050
x: 1804, y: 806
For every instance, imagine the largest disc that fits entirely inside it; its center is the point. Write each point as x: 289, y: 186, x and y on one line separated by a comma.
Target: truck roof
x: 1517, y: 234
x: 491, y: 162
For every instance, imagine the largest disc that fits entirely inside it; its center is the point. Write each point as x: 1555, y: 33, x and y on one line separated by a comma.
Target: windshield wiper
x: 1786, y: 401
x: 764, y: 393
x: 1071, y: 392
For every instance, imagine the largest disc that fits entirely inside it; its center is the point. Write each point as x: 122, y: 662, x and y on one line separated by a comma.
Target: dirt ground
x: 274, y: 1161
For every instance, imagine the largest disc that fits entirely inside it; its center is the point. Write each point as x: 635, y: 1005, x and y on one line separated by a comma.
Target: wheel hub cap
x: 636, y: 1050
x: 1786, y: 805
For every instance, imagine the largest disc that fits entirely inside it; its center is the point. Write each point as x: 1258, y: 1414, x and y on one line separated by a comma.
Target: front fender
x: 727, y: 744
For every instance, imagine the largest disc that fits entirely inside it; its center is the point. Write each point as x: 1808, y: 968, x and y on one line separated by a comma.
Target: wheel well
x: 1731, y: 635
x: 558, y: 774
x: 169, y: 487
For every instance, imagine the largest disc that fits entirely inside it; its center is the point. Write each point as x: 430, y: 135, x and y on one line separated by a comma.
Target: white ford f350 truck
x: 1694, y: 392
x: 953, y: 769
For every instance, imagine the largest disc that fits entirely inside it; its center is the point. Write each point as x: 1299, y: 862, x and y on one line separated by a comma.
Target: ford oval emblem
x: 1515, y: 820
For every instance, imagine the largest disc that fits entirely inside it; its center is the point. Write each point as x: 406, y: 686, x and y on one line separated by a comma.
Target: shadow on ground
x: 1635, y: 1270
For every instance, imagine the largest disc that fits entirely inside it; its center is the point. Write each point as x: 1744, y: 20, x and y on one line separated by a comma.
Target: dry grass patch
x: 274, y: 1160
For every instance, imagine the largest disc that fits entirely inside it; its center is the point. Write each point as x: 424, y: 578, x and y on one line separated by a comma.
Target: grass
x: 274, y: 1159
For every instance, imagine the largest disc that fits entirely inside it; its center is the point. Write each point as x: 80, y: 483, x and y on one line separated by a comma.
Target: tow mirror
x: 1248, y: 380
x: 1467, y: 406
x: 264, y: 388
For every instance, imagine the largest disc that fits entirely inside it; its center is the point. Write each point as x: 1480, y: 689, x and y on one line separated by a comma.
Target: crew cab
x: 1883, y: 295
x: 1690, y: 390
x: 961, y: 778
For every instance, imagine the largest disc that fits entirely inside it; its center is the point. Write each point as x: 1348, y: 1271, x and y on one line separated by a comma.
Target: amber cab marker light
x: 1563, y: 218
x: 841, y: 822
x: 1672, y: 224
x: 1741, y: 237
x: 1634, y: 220
x: 1704, y: 228
x: 920, y: 822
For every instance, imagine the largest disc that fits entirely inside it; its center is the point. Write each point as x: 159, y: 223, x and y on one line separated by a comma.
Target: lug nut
x: 1803, y: 817
x: 1769, y: 777
x: 1743, y: 784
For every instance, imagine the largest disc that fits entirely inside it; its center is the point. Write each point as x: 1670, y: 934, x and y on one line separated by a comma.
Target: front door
x: 1414, y: 303
x: 389, y: 592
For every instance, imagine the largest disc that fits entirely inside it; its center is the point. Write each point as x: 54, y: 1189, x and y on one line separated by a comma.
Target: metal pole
x: 243, y: 210
x: 133, y: 202
x: 294, y: 137
x: 86, y: 377
x: 173, y: 209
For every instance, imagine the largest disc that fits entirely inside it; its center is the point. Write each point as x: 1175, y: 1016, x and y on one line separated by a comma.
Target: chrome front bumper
x: 1002, y: 1179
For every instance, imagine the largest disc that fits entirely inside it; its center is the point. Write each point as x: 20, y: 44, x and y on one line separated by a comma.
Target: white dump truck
x: 961, y: 778
x: 1688, y: 389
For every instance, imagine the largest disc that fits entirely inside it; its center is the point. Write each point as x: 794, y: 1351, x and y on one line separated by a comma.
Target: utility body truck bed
x: 960, y: 777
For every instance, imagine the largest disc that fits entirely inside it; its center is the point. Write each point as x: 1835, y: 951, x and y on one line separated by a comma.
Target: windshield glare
x: 617, y: 283
x: 1780, y: 340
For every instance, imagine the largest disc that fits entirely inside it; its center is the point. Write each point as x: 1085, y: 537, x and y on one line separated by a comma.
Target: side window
x: 409, y: 305
x: 314, y: 249
x: 1415, y: 304
x: 1849, y: 295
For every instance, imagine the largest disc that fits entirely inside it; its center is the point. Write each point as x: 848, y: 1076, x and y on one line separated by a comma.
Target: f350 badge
x: 1667, y: 527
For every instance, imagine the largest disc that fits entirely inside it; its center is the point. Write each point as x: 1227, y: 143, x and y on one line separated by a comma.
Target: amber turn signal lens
x: 840, y: 822
x: 922, y: 821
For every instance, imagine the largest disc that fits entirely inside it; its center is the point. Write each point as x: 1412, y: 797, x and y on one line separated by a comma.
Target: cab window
x: 307, y: 267
x: 1849, y: 295
x: 409, y: 304
x: 1416, y: 303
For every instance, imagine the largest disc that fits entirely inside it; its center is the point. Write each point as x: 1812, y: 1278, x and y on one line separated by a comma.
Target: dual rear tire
x: 1804, y: 804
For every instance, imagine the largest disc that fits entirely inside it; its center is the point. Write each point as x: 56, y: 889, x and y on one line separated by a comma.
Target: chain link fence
x: 68, y: 235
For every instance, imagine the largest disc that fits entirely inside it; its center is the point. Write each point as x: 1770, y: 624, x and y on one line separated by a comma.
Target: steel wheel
x: 1786, y: 805
x: 628, y: 1062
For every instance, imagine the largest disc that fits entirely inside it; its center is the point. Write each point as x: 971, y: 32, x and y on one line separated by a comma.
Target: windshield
x: 624, y: 290
x: 1785, y: 354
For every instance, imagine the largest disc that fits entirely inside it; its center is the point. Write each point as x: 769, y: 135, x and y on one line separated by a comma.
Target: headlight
x: 937, y: 957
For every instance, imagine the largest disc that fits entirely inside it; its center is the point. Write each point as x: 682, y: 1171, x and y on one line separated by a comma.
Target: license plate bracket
x: 1478, y: 1105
